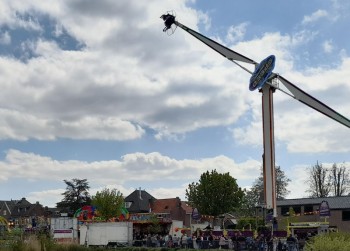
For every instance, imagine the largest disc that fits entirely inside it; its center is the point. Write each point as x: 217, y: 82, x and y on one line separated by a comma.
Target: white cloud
x: 298, y: 184
x: 159, y: 172
x: 5, y: 38
x: 315, y: 16
x: 327, y: 46
x: 205, y: 19
x: 47, y: 198
x: 236, y: 33
x: 316, y: 132
x: 123, y: 79
x: 130, y: 76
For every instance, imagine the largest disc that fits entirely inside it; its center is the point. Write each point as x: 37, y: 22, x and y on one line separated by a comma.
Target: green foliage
x: 329, y: 242
x: 215, y: 193
x: 76, y: 194
x: 282, y: 182
x: 255, y: 196
x: 249, y: 203
x: 108, y: 203
x: 253, y: 222
x: 155, y: 227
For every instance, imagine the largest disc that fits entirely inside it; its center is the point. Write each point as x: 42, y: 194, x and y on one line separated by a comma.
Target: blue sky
x: 96, y: 90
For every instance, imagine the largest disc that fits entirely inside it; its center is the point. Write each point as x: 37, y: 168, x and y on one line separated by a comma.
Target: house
x: 141, y: 202
x: 25, y: 214
x: 144, y: 209
x: 307, y: 210
x: 168, y: 209
x: 138, y: 201
x: 6, y: 208
x: 187, y: 220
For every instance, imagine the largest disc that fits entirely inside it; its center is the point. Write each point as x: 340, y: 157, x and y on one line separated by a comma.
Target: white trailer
x: 106, y: 234
x: 64, y: 229
x: 176, y: 225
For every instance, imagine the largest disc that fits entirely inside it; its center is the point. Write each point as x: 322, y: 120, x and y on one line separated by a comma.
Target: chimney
x: 140, y: 193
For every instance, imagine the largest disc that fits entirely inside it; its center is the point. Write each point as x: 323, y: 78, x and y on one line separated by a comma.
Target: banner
x: 324, y: 209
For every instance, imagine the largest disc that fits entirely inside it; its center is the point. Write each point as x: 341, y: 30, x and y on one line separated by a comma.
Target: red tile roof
x: 165, y: 205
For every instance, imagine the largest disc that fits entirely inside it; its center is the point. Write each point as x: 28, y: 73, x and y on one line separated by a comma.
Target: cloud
x: 104, y: 70
x: 315, y: 16
x: 327, y: 46
x: 162, y: 175
x: 298, y: 184
x: 47, y: 198
x: 236, y: 33
x: 5, y: 38
x: 316, y: 132
x: 126, y: 78
x: 129, y: 76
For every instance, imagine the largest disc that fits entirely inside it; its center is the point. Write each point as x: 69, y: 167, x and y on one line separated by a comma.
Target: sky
x: 95, y: 90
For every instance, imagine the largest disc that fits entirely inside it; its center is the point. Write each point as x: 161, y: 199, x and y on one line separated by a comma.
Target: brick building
x: 307, y: 210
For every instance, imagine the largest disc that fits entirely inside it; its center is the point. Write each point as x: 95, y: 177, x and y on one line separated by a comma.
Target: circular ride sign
x: 262, y: 73
x: 195, y: 214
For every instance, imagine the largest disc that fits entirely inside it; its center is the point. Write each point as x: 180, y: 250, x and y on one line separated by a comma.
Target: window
x: 297, y: 210
x: 346, y: 215
x: 285, y: 211
x: 162, y: 216
x: 4, y: 213
x: 127, y: 204
x: 308, y: 210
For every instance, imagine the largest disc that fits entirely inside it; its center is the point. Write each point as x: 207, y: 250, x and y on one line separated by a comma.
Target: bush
x: 329, y: 242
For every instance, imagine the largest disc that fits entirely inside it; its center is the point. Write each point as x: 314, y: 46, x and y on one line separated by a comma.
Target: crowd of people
x: 237, y: 242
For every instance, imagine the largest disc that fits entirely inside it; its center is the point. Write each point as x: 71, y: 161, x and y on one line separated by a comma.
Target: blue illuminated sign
x: 262, y: 73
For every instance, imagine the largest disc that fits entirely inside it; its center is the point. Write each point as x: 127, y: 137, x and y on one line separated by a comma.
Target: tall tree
x: 282, y: 182
x: 249, y: 203
x: 339, y: 180
x: 76, y: 194
x: 109, y: 203
x: 319, y: 185
x: 214, y: 193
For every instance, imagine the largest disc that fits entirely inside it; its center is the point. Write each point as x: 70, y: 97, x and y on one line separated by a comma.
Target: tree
x: 76, y: 195
x: 108, y: 203
x: 214, y: 194
x: 155, y: 226
x: 339, y: 180
x: 319, y: 186
x: 282, y: 182
x: 256, y: 193
x: 249, y: 203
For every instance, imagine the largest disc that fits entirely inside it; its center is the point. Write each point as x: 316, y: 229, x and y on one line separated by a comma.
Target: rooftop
x: 342, y: 202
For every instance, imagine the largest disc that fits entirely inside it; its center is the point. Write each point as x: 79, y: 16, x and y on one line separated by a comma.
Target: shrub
x: 329, y: 242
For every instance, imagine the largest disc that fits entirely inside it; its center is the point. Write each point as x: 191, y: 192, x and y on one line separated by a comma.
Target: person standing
x: 184, y: 241
x: 222, y: 242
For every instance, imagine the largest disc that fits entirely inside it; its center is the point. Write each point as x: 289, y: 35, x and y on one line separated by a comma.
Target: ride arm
x: 312, y: 102
x: 224, y: 51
